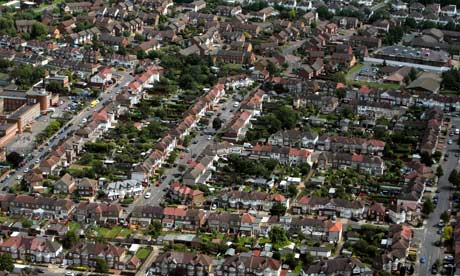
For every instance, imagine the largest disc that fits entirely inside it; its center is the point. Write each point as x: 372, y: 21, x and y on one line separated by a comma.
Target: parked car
x: 147, y: 195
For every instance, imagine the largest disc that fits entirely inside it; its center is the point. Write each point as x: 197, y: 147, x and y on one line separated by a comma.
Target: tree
x: 292, y: 190
x: 6, y: 262
x: 439, y: 171
x: 277, y: 209
x: 141, y: 54
x: 447, y: 232
x: 14, y: 158
x: 70, y: 239
x: 445, y: 216
x: 323, y: 13
x: 216, y: 123
x: 278, y: 235
x: 55, y: 87
x: 428, y: 206
x: 339, y: 77
x: 154, y: 229
x: 292, y: 14
x: 412, y: 74
x: 101, y: 265
x: 38, y: 30
x: 454, y: 178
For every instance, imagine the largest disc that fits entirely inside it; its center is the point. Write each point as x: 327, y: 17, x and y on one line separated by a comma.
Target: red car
x: 158, y: 184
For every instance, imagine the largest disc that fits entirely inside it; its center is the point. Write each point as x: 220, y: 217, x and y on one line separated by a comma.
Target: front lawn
x: 143, y: 253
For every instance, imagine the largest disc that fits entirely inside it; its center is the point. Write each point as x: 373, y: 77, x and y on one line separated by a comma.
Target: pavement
x: 70, y: 127
x: 427, y: 236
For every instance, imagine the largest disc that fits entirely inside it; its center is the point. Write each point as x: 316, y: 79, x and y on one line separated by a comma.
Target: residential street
x: 427, y: 236
x: 199, y: 143
x: 73, y: 125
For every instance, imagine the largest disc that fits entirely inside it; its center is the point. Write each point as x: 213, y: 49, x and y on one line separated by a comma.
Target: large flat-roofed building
x: 7, y: 132
x: 24, y: 115
x: 421, y: 58
x: 13, y: 99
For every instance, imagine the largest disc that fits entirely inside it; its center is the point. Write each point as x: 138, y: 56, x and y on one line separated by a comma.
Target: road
x: 427, y: 236
x: 70, y: 127
x: 199, y: 143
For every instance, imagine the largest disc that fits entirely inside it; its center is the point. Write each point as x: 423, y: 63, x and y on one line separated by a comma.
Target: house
x: 102, y: 213
x: 122, y: 189
x: 186, y: 195
x: 50, y: 165
x: 249, y: 265
x: 87, y: 253
x: 255, y: 200
x: 396, y: 248
x: 194, y: 6
x: 181, y: 263
x: 238, y: 126
x: 326, y: 206
x: 183, y: 218
x: 65, y: 185
x: 285, y: 155
x: 377, y: 212
x: 294, y: 139
x: 102, y: 78
x: 44, y: 206
x: 33, y: 249
x: 350, y: 144
x: 86, y: 187
x: 144, y: 215
x: 338, y: 266
x: 224, y: 222
x: 363, y: 163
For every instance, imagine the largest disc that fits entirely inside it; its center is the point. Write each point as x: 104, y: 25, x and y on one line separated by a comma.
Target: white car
x: 209, y: 137
x: 449, y: 141
x: 147, y: 195
x: 236, y: 104
x: 68, y: 273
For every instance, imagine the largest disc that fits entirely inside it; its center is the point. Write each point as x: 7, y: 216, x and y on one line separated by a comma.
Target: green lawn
x: 114, y: 232
x: 353, y: 70
x: 375, y: 84
x: 143, y: 253
x: 74, y: 226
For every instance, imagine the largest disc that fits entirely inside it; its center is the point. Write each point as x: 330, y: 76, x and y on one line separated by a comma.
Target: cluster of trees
x: 244, y: 166
x: 451, y: 79
x: 454, y: 178
x: 394, y: 35
x: 52, y: 128
x: 278, y: 118
x: 26, y: 75
x: 192, y: 72
x: 367, y: 248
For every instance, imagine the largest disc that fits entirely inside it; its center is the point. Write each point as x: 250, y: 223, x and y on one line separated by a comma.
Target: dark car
x: 39, y: 270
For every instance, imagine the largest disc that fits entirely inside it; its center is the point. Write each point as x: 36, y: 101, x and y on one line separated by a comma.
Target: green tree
x: 278, y: 235
x: 292, y: 191
x: 445, y: 216
x: 447, y: 232
x: 101, y: 265
x: 454, y: 177
x: 6, y: 262
x: 38, y: 30
x: 292, y: 14
x: 277, y: 209
x: 14, y: 158
x: 439, y: 171
x: 70, y: 239
x: 154, y: 229
x: 412, y: 74
x: 216, y: 123
x: 323, y: 13
x: 339, y: 77
x: 141, y: 54
x: 428, y: 206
